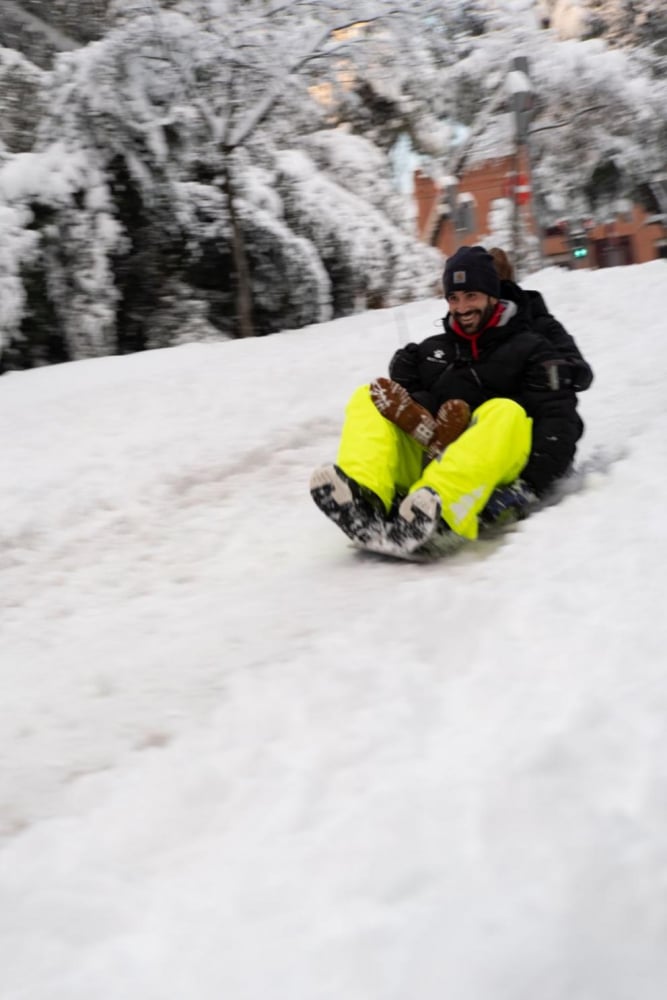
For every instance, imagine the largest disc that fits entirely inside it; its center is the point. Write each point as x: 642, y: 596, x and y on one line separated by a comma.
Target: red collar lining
x: 494, y: 320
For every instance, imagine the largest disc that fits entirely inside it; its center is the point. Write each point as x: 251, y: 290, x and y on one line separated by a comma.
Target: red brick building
x: 448, y: 217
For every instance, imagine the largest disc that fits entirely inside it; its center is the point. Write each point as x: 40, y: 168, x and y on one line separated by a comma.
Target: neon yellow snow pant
x: 491, y: 452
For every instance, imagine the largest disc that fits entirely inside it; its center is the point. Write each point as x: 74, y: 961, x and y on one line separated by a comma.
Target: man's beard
x: 477, y: 318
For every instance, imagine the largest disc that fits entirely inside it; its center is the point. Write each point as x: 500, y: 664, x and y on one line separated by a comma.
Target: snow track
x: 237, y: 760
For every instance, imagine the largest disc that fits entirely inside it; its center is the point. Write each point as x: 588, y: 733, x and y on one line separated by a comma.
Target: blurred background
x: 191, y: 170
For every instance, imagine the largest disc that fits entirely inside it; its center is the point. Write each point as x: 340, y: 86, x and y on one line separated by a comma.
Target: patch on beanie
x: 459, y: 277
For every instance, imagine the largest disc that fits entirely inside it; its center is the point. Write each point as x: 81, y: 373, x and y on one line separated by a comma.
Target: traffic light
x: 580, y: 252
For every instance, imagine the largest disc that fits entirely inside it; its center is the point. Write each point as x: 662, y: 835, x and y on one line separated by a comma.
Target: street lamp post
x: 521, y: 93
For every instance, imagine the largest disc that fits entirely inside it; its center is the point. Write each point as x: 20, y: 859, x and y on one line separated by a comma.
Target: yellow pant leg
x: 491, y: 452
x: 374, y: 452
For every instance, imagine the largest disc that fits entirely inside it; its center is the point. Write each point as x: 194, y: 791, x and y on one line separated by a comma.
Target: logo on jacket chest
x: 438, y: 355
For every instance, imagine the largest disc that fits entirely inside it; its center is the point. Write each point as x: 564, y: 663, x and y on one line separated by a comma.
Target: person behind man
x: 473, y: 424
x: 542, y: 321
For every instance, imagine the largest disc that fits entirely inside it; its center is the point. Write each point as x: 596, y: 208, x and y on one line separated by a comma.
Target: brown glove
x: 396, y: 404
x: 452, y: 419
x: 434, y: 434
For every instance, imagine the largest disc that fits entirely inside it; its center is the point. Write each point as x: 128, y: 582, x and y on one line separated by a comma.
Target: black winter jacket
x: 542, y: 321
x: 511, y: 361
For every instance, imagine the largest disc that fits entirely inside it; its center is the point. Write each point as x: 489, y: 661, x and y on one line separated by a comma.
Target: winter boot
x: 355, y: 509
x: 417, y: 520
x: 508, y: 504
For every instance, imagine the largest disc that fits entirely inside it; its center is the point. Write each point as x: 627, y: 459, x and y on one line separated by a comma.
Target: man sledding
x: 472, y: 427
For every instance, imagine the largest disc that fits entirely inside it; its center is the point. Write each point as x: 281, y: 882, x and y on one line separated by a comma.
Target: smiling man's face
x: 471, y: 310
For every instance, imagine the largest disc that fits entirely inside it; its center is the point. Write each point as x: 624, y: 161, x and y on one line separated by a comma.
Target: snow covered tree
x: 368, y: 258
x: 174, y: 126
x: 21, y: 103
x: 209, y: 168
x: 597, y: 131
x: 23, y: 27
x: 82, y: 20
x: 627, y: 23
x: 64, y: 201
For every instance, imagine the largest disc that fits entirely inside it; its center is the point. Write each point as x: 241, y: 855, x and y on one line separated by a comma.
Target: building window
x: 466, y: 221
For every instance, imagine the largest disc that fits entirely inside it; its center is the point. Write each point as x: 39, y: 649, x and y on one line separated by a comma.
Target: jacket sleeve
x: 556, y: 424
x: 404, y: 369
x: 580, y: 372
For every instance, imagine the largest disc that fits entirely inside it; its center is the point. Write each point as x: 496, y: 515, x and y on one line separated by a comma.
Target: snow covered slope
x: 239, y: 760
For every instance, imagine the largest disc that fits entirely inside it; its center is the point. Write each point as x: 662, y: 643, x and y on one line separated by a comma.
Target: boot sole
x: 335, y: 498
x: 417, y: 520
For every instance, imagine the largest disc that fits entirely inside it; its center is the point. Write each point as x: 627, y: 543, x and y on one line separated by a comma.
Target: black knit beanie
x: 471, y: 269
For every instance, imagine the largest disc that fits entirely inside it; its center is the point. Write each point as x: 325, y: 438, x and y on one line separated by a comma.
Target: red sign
x: 518, y: 188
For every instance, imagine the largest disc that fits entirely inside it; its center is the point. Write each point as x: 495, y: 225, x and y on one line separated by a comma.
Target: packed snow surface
x: 239, y: 759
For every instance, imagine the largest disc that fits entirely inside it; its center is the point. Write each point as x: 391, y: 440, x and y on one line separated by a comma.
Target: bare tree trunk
x: 243, y: 290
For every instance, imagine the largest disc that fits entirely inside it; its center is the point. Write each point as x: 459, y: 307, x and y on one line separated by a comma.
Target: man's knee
x: 500, y: 409
x: 362, y: 394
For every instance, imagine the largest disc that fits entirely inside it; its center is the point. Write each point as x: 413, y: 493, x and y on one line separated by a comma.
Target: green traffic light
x: 580, y: 252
